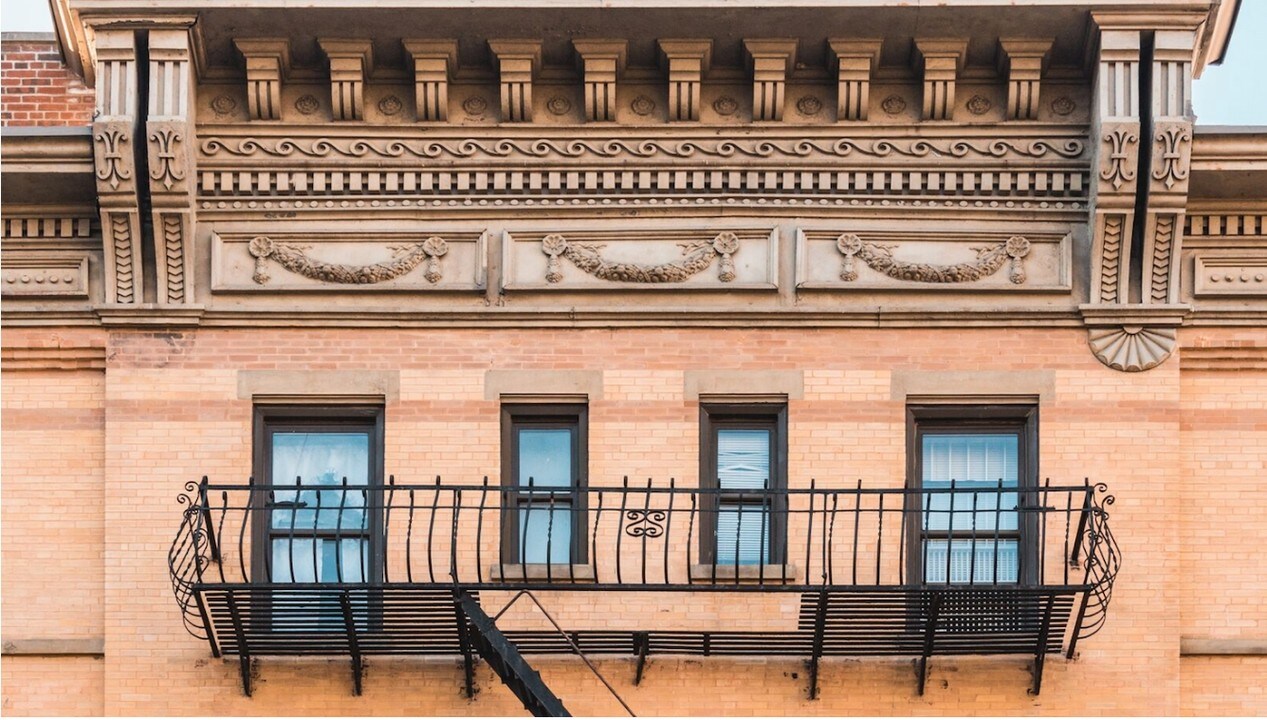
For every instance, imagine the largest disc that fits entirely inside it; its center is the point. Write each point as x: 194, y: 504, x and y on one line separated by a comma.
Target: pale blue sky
x: 1234, y: 93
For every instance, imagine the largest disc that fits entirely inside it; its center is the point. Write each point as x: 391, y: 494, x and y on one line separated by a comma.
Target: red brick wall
x: 37, y: 89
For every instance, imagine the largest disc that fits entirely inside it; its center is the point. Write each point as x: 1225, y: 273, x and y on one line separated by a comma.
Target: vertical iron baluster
x: 740, y: 505
x: 1042, y: 533
x: 598, y: 514
x: 764, y: 557
x: 549, y: 536
x: 290, y: 538
x: 902, y: 538
x: 252, y: 506
x: 857, y: 517
x: 831, y: 539
x: 690, y: 535
x: 998, y: 511
x: 409, y: 540
x: 431, y: 531
x: 316, y: 522
x: 620, y: 526
x: 879, y: 539
x: 367, y: 507
x: 646, y: 516
x: 224, y: 511
x: 950, y: 529
x: 923, y: 533
x: 972, y: 559
x: 1068, y: 522
x: 668, y: 528
x: 529, y: 506
x: 456, y: 494
x: 715, y: 540
x: 787, y: 530
x: 479, y: 534
x: 338, y: 530
x: 809, y: 533
x: 387, y: 518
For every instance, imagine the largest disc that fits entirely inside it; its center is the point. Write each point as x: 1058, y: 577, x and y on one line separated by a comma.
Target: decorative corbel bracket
x: 940, y: 61
x: 434, y: 61
x: 687, y: 61
x: 771, y: 61
x: 267, y: 65
x: 350, y: 64
x: 517, y: 61
x: 169, y: 138
x: 855, y: 61
x: 1021, y: 60
x: 114, y: 137
x: 1133, y: 338
x: 601, y: 61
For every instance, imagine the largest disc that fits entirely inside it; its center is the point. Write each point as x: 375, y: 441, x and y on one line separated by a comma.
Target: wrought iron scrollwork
x: 645, y: 523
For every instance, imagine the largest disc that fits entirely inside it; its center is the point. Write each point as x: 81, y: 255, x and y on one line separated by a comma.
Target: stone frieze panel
x: 348, y: 261
x: 662, y: 259
x: 848, y: 258
x: 44, y: 275
x: 1241, y: 274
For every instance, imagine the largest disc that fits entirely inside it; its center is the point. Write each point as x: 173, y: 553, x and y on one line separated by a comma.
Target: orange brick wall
x: 37, y: 89
x: 1224, y: 583
x: 50, y: 686
x: 52, y: 515
x: 173, y: 414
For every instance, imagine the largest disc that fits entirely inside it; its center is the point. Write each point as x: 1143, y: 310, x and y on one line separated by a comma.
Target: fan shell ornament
x: 1132, y: 348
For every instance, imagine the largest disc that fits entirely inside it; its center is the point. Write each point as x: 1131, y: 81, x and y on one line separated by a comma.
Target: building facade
x: 441, y: 358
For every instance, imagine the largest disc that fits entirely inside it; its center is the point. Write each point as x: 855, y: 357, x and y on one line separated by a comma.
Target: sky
x: 1233, y: 93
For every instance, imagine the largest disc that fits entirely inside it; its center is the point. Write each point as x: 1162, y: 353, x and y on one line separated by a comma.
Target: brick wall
x: 173, y: 413
x: 37, y: 89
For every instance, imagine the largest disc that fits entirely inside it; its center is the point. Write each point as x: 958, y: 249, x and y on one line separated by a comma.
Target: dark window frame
x: 517, y: 416
x: 730, y: 415
x: 268, y: 419
x: 964, y: 419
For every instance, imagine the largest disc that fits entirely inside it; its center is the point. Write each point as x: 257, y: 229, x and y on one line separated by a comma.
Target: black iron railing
x: 301, y: 538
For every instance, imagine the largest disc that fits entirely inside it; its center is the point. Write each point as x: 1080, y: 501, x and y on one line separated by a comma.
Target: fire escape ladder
x: 503, y: 657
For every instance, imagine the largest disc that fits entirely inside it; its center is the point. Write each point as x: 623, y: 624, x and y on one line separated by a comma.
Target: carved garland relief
x: 293, y: 258
x: 880, y: 258
x: 698, y: 256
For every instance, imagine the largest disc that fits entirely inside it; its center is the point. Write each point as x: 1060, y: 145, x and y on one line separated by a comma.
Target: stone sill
x: 82, y: 647
x: 780, y: 574
x: 542, y: 572
x: 1190, y: 646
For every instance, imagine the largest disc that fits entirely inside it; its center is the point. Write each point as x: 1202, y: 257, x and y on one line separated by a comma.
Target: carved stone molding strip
x: 1250, y: 222
x: 775, y: 148
x: 1132, y: 348
x: 880, y: 258
x: 620, y: 183
x: 293, y: 258
x: 698, y: 256
x: 46, y: 227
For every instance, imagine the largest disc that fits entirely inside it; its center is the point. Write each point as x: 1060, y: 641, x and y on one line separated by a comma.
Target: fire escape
x: 878, y: 572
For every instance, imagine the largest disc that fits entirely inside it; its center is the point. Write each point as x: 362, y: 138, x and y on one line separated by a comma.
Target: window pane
x: 545, y: 533
x: 320, y: 459
x: 743, y: 459
x: 545, y: 455
x: 976, y: 463
x: 306, y: 560
x: 988, y: 555
x: 743, y: 533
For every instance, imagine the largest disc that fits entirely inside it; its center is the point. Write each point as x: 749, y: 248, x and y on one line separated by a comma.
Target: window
x: 318, y: 523
x: 544, y: 449
x: 973, y: 465
x: 743, y: 460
